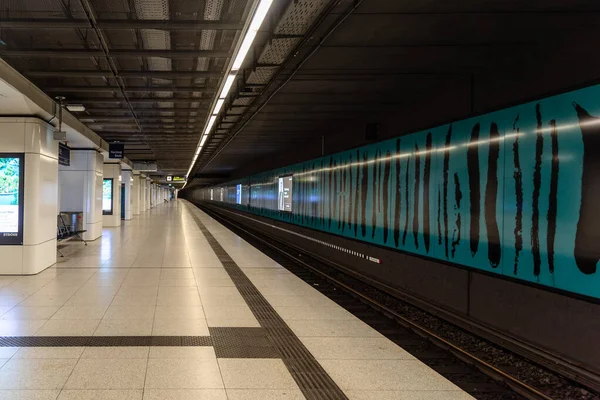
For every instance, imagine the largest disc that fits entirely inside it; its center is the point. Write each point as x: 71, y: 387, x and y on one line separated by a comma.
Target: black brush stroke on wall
x: 375, y: 194
x: 350, y: 184
x: 553, y: 197
x: 345, y: 196
x: 474, y: 189
x: 491, y: 198
x: 364, y: 188
x: 331, y: 196
x: 446, y: 168
x: 322, y: 195
x: 406, y: 201
x: 537, y: 184
x: 439, y: 215
x: 397, y: 197
x: 416, y: 192
x: 426, y: 186
x: 379, y: 180
x: 386, y: 196
x: 335, y: 191
x: 587, y: 238
x: 340, y: 196
x: 356, y: 194
x: 518, y: 177
x: 457, y: 198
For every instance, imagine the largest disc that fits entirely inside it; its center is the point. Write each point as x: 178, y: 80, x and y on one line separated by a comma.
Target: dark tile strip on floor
x: 227, y: 342
x: 312, y: 379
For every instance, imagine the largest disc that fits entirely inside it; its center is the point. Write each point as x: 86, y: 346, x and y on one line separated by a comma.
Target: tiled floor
x: 158, y: 276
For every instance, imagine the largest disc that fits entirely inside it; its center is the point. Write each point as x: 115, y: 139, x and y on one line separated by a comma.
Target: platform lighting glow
x: 203, y: 140
x: 227, y: 86
x: 257, y: 20
x: 218, y: 106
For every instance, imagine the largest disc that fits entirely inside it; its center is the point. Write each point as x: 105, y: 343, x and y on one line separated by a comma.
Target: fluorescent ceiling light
x: 227, y: 86
x: 260, y: 14
x: 211, y: 122
x: 218, y: 106
x: 76, y: 107
x: 257, y: 20
x: 244, y: 48
x: 203, y: 140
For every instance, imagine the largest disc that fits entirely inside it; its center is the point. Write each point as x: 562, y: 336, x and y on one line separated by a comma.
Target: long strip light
x: 257, y: 20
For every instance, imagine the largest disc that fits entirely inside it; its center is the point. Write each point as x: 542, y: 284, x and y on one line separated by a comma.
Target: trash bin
x: 75, y: 219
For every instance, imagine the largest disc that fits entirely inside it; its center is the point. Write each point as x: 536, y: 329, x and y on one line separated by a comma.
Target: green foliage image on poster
x: 9, y: 181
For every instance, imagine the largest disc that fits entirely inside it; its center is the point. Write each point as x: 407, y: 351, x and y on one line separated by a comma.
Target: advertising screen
x: 238, y: 194
x: 285, y: 194
x: 212, y: 197
x: 11, y: 199
x: 107, y: 196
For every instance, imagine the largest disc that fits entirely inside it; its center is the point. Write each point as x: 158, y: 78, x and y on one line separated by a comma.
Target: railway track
x: 467, y: 366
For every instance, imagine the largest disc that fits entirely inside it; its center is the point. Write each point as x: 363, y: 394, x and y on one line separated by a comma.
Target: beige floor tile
x: 180, y: 327
x: 333, y: 328
x: 22, y: 327
x: 185, y: 394
x: 344, y: 348
x: 108, y: 374
x: 80, y: 312
x: 47, y: 374
x: 182, y: 352
x: 192, y: 312
x: 130, y: 312
x: 255, y: 374
x: 124, y: 327
x: 29, y: 394
x: 262, y: 394
x: 8, y: 352
x: 116, y: 394
x: 68, y: 327
x: 406, y: 395
x: 31, y: 312
x: 115, y: 352
x: 385, y: 375
x: 183, y: 374
x: 49, y: 352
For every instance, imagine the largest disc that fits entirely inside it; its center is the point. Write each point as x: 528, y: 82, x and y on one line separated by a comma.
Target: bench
x: 64, y: 232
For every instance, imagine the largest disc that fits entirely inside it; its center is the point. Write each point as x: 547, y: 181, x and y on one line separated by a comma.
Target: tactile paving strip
x: 311, y: 378
x: 103, y: 341
x: 243, y: 343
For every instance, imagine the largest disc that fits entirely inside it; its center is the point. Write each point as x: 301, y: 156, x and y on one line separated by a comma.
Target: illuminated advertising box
x: 11, y: 198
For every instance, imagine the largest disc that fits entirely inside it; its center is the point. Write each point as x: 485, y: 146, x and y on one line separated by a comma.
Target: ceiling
x: 320, y: 70
x: 145, y: 70
x: 405, y: 65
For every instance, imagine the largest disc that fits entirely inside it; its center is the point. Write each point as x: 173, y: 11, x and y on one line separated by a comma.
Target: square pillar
x: 135, y: 194
x: 33, y: 138
x: 80, y: 188
x: 127, y: 180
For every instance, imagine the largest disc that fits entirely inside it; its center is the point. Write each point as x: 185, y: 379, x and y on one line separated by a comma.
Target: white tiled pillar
x: 80, y: 187
x: 127, y: 179
x: 113, y: 171
x: 33, y: 137
x: 135, y: 194
x: 148, y: 195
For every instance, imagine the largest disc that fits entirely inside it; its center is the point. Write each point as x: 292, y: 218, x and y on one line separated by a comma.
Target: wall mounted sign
x: 11, y: 198
x: 179, y: 179
x: 116, y: 150
x: 64, y: 155
x: 169, y: 178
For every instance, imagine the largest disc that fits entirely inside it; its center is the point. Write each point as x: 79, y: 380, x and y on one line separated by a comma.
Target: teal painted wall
x: 515, y: 192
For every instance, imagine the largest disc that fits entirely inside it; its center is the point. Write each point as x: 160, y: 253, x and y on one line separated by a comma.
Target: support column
x: 135, y: 194
x: 127, y: 177
x: 37, y: 251
x: 112, y: 218
x: 80, y: 189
